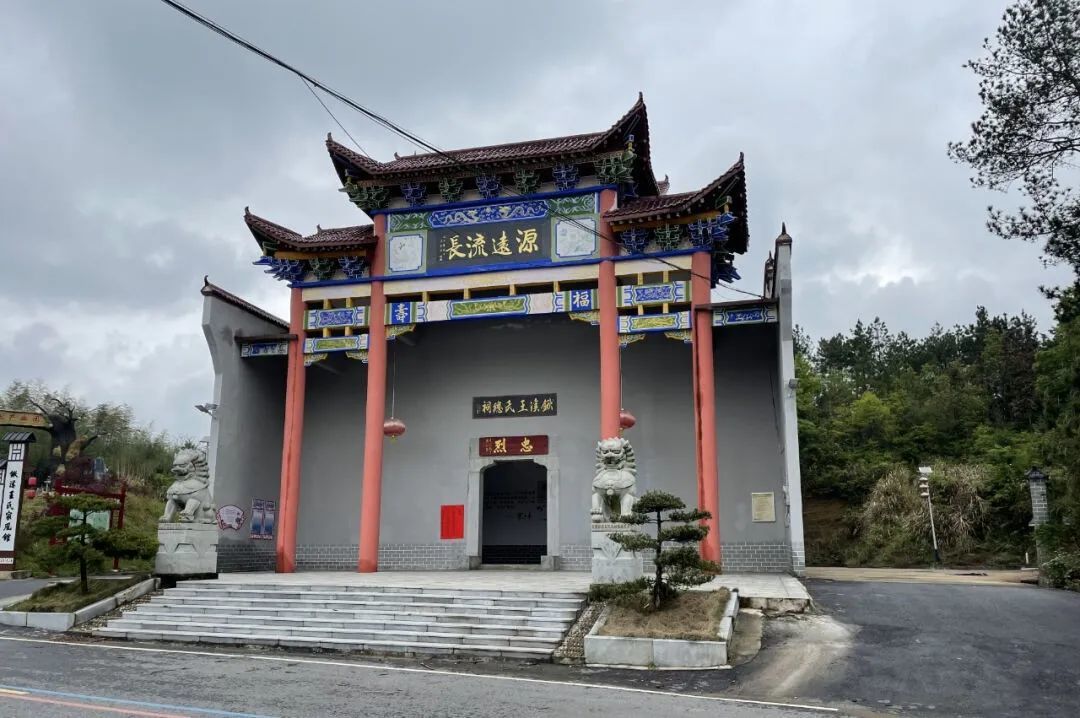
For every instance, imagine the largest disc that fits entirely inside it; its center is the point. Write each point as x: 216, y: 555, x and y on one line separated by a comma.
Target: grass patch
x: 691, y: 616
x: 65, y: 597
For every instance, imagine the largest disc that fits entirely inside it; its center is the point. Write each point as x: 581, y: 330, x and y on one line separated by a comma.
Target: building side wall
x: 246, y: 433
x: 332, y: 465
x: 749, y: 450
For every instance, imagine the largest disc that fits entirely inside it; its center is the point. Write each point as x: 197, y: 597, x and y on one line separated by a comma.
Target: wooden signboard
x: 491, y: 407
x: 500, y: 243
x: 536, y: 445
x: 29, y: 419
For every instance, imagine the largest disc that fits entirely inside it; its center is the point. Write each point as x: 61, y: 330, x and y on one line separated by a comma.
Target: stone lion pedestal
x: 188, y: 531
x: 186, y: 549
x: 611, y: 563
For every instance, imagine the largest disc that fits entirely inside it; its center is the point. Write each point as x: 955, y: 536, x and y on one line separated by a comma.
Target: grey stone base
x: 445, y: 556
x: 450, y: 555
x: 324, y: 557
x: 241, y: 556
x: 755, y: 557
x: 575, y: 558
x: 735, y: 558
x: 186, y: 549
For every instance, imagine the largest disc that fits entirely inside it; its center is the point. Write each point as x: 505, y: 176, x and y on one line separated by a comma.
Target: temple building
x: 435, y: 399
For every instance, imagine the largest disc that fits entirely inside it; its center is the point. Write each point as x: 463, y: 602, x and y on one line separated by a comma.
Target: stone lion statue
x: 615, y: 481
x: 189, y: 495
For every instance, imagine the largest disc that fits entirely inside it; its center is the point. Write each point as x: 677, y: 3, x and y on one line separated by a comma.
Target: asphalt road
x: 921, y: 649
x: 91, y: 680
x: 10, y: 588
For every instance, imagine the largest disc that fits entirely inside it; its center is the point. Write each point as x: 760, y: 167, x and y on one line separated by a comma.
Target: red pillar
x: 375, y: 414
x: 708, y: 476
x: 610, y: 369
x: 292, y: 439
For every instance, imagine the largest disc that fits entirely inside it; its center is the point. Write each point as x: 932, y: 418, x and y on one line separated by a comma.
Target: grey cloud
x: 131, y: 139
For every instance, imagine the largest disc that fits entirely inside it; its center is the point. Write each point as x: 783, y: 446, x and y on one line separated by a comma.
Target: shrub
x: 676, y: 568
x: 82, y: 543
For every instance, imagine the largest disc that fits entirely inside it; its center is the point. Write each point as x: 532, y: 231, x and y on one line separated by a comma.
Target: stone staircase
x: 371, y: 619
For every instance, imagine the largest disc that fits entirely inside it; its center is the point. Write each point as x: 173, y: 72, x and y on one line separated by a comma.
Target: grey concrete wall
x: 440, y: 367
x: 749, y: 447
x: 438, y: 375
x: 332, y: 456
x: 658, y: 389
x: 246, y: 433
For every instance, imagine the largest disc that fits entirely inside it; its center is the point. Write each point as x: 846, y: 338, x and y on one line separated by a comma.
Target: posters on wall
x: 230, y: 516
x: 263, y: 518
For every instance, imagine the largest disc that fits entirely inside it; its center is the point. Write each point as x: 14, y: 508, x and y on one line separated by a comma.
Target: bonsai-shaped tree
x: 82, y: 542
x: 679, y: 567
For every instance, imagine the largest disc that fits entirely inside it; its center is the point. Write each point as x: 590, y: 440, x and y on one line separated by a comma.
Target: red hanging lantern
x: 626, y: 420
x: 31, y: 482
x: 393, y: 428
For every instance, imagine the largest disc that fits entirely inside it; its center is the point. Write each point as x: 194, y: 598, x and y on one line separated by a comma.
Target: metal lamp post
x: 924, y: 491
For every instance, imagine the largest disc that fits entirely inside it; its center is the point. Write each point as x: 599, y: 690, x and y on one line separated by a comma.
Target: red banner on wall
x: 536, y: 445
x: 453, y: 522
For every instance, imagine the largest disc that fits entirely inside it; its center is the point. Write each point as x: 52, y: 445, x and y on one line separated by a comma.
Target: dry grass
x: 65, y: 597
x: 691, y: 616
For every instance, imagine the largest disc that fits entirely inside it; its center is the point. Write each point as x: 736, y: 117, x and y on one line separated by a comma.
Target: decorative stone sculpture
x: 189, y: 494
x: 188, y: 530
x: 615, y: 480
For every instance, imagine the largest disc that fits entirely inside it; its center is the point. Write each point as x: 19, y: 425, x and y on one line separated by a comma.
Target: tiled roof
x: 19, y: 437
x: 473, y: 155
x: 732, y: 182
x: 333, y: 238
x: 635, y: 121
x: 212, y: 290
x: 667, y: 204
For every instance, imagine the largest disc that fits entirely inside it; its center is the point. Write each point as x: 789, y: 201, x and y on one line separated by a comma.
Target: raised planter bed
x: 56, y: 621
x: 662, y: 653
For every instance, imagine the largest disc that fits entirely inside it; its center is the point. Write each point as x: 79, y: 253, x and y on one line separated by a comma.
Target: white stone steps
x: 374, y: 646
x: 411, y: 621
x: 387, y: 598
x: 217, y: 585
x: 372, y: 615
x: 396, y: 597
x: 312, y: 603
x: 353, y: 634
x: 153, y: 612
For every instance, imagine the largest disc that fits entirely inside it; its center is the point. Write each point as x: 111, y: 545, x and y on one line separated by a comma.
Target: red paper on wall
x: 453, y: 522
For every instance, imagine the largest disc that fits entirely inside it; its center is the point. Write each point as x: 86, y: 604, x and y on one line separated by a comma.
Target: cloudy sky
x: 131, y: 139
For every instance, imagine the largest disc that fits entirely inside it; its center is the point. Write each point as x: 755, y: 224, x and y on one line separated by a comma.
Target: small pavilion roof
x: 212, y: 290
x: 333, y: 238
x: 349, y: 163
x: 667, y: 206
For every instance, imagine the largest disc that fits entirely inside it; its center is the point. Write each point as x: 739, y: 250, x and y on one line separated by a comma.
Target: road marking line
x: 92, y: 706
x: 428, y: 671
x: 39, y: 692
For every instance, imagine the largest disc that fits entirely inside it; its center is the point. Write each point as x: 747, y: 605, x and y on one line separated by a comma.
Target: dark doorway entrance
x: 514, y: 521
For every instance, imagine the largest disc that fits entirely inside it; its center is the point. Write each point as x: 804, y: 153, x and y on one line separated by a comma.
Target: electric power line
x: 333, y: 117
x: 311, y: 82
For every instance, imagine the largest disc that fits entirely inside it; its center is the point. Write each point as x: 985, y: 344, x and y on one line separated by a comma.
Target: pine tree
x: 677, y: 568
x: 80, y: 542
